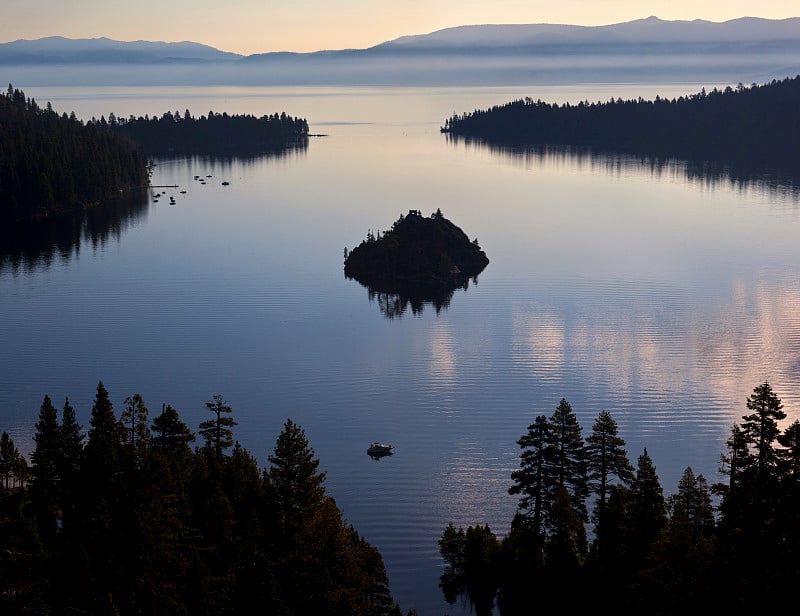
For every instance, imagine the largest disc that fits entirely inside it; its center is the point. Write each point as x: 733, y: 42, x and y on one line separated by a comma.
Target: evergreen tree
x: 103, y: 506
x: 733, y: 463
x: 325, y: 566
x: 71, y: 441
x: 46, y: 457
x: 570, y: 463
x: 217, y: 432
x: 566, y: 540
x: 535, y: 478
x: 760, y: 428
x: 606, y: 458
x: 172, y: 436
x: 678, y: 575
x: 294, y: 478
x: 9, y: 460
x: 134, y: 419
x: 692, y: 504
x: 102, y: 451
x: 789, y: 457
x: 646, y: 508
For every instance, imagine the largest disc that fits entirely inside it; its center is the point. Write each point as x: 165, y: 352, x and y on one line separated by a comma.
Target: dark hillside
x: 51, y: 164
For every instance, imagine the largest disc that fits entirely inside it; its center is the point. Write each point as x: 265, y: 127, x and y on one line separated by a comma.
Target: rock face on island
x: 419, y: 255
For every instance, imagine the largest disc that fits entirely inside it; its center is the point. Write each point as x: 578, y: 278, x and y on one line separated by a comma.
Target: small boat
x: 380, y: 449
x: 226, y: 183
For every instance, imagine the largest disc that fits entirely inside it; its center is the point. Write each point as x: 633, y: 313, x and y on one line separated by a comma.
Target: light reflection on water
x: 653, y: 291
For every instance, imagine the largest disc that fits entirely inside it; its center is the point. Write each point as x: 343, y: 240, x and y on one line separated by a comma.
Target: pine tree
x: 294, y: 477
x: 69, y: 464
x: 46, y: 457
x: 535, y: 478
x: 103, y: 506
x: 9, y: 460
x: 761, y: 428
x: 734, y: 463
x: 607, y: 459
x: 677, y: 575
x: 646, y: 508
x: 692, y: 504
x: 789, y: 457
x: 134, y: 419
x: 71, y: 441
x: 103, y: 447
x: 570, y: 461
x: 172, y: 436
x: 217, y: 432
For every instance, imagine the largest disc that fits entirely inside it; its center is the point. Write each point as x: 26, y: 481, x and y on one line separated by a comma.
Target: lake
x: 657, y: 291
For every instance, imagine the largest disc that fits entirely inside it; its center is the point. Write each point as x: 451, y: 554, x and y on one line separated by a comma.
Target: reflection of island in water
x: 421, y: 260
x: 394, y: 305
x: 36, y: 245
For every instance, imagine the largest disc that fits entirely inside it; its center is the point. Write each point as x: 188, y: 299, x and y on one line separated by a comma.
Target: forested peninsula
x: 52, y: 164
x: 214, y: 133
x: 732, y: 547
x: 759, y: 124
x: 129, y: 518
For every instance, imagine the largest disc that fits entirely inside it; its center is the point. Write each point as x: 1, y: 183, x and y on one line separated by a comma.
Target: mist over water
x: 660, y: 291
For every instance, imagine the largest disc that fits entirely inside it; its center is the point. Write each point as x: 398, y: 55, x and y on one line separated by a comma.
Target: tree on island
x: 419, y: 260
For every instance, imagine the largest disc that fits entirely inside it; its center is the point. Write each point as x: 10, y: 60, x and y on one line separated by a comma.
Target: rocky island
x: 418, y: 256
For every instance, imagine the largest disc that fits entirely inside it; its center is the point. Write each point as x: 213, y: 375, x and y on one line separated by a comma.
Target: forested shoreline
x: 214, y: 133
x: 53, y: 164
x: 757, y: 124
x: 128, y: 518
x: 733, y: 546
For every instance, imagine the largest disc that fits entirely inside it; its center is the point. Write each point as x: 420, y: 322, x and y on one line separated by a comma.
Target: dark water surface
x: 658, y: 292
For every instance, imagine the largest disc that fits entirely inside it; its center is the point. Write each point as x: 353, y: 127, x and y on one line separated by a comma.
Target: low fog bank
x: 419, y: 70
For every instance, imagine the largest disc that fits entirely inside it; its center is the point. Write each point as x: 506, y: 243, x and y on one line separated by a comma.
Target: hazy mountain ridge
x: 649, y: 31
x: 61, y: 50
x: 646, y: 50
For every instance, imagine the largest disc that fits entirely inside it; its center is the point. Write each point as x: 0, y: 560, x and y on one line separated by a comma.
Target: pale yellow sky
x: 259, y: 26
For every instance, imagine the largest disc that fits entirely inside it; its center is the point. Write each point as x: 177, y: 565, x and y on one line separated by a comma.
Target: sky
x: 260, y: 26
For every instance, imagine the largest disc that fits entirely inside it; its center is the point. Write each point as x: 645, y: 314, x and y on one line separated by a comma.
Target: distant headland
x: 418, y: 255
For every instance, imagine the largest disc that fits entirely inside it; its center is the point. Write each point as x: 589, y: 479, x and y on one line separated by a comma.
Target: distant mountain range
x: 646, y: 50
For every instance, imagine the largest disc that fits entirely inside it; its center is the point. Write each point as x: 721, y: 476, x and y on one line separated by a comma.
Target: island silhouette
x: 421, y: 259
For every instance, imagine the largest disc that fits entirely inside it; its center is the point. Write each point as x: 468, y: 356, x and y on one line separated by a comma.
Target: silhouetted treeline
x: 215, y: 133
x: 52, y: 163
x: 128, y: 518
x: 649, y: 554
x: 756, y: 123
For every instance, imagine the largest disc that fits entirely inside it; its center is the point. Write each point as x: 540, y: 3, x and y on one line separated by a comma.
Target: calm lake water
x: 658, y: 293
